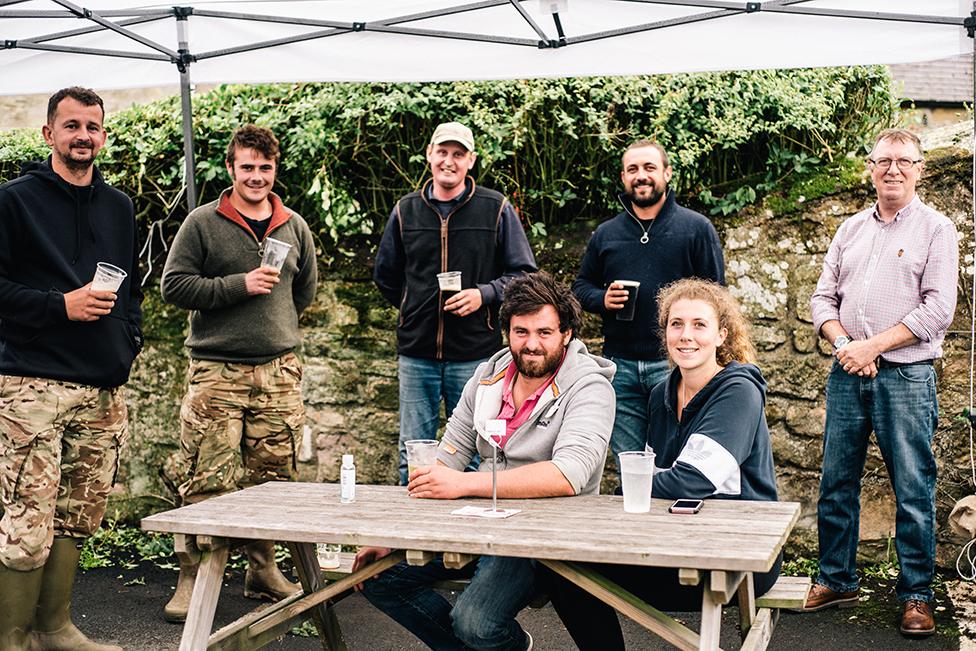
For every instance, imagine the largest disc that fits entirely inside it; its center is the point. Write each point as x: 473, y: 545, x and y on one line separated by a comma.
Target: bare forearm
x: 832, y: 329
x: 897, y: 336
x: 541, y: 479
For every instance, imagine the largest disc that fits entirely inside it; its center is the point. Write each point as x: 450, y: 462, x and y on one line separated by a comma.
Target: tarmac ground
x: 124, y: 605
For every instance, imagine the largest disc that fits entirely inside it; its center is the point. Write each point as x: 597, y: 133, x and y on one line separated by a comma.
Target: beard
x: 535, y: 367
x: 650, y: 200
x: 78, y: 164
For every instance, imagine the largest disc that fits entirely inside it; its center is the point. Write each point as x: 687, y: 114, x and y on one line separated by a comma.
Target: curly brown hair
x: 737, y: 345
x: 260, y: 139
x: 529, y: 293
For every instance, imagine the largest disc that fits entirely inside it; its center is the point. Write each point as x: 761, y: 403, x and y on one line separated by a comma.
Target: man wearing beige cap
x: 450, y: 224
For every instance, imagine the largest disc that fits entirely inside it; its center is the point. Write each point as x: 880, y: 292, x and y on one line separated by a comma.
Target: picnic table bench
x: 719, y: 547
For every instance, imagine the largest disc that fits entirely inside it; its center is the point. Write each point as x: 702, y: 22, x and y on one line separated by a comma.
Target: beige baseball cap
x: 453, y: 132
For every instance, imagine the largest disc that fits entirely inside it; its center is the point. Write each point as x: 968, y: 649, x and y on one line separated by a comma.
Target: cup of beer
x: 275, y: 253
x: 420, y: 453
x: 626, y: 313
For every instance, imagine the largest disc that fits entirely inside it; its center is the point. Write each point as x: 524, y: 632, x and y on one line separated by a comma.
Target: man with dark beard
x: 555, y: 398
x: 653, y: 242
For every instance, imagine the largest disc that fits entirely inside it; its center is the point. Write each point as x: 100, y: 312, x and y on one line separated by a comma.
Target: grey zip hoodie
x: 570, y: 425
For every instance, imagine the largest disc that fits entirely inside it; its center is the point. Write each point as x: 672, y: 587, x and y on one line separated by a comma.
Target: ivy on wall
x: 553, y: 146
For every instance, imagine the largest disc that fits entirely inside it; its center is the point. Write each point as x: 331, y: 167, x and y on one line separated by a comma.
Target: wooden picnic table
x: 720, y: 546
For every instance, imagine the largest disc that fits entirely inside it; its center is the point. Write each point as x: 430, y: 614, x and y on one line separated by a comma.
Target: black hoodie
x: 721, y: 447
x: 52, y: 234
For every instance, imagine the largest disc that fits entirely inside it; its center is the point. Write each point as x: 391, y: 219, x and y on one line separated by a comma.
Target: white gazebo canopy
x: 50, y: 44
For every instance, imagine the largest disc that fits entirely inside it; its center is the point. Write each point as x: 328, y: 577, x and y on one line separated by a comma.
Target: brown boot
x: 917, y: 619
x: 821, y: 597
x: 263, y: 579
x: 175, y: 611
x: 53, y: 629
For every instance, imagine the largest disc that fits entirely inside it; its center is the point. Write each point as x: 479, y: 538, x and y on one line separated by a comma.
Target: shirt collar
x: 905, y: 212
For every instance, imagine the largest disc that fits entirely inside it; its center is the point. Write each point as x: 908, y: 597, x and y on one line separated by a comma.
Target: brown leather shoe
x: 821, y: 597
x: 917, y: 619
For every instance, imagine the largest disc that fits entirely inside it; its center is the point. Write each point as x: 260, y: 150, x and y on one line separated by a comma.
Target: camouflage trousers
x: 59, y: 454
x: 240, y: 425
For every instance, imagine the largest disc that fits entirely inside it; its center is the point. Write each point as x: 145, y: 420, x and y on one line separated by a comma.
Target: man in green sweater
x: 243, y: 409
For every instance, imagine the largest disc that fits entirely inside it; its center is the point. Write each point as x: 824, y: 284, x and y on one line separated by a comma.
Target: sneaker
x: 821, y: 597
x: 917, y: 619
x: 528, y: 648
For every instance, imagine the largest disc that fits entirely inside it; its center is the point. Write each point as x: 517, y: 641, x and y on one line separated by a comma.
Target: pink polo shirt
x: 514, y: 419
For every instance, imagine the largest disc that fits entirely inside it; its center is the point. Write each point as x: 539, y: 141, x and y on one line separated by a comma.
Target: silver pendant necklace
x: 645, y: 238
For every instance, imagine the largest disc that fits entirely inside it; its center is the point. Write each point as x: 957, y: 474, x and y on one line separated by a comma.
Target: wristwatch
x: 841, y: 340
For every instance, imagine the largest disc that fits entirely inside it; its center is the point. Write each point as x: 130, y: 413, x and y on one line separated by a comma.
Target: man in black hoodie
x: 654, y: 241
x: 65, y: 352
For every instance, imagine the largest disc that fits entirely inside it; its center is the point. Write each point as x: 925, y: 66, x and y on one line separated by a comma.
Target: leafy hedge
x: 552, y: 145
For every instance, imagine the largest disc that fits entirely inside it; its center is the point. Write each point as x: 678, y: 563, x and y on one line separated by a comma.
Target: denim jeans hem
x: 847, y: 587
x: 927, y: 598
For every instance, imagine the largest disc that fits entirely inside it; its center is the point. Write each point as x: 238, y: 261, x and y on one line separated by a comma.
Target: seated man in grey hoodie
x: 558, y: 405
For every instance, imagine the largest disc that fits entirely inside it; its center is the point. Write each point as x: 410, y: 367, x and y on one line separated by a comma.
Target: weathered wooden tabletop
x: 725, y: 535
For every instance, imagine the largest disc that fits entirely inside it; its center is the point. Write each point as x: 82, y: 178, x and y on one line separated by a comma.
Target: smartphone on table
x: 687, y: 507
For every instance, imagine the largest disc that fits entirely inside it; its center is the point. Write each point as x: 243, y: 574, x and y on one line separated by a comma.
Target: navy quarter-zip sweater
x: 682, y: 244
x: 52, y: 234
x: 721, y: 447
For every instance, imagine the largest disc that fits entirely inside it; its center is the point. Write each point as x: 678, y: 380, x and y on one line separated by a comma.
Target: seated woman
x: 707, y: 426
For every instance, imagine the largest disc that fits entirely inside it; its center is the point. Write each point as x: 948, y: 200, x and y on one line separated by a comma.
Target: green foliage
x: 553, y: 146
x: 116, y: 544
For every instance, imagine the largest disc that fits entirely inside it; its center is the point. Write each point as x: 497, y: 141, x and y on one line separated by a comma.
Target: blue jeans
x: 632, y: 383
x: 901, y: 407
x: 483, y: 617
x: 423, y: 383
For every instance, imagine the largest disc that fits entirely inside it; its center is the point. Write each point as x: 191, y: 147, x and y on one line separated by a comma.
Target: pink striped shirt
x: 514, y: 418
x: 877, y: 275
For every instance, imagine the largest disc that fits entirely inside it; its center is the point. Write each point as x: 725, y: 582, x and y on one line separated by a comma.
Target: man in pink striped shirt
x: 885, y: 299
x: 558, y: 403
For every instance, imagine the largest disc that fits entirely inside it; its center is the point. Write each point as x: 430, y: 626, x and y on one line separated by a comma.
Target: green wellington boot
x: 53, y: 629
x: 263, y: 579
x: 175, y: 611
x: 18, y: 598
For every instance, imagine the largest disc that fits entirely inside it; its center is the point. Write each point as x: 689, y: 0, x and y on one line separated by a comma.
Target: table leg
x: 747, y: 605
x: 310, y: 574
x: 203, y: 602
x: 711, y: 619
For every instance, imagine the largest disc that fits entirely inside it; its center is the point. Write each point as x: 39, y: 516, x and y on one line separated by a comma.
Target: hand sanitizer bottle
x: 347, y: 480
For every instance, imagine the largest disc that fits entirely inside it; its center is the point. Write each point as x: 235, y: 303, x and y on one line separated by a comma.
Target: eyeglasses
x: 904, y: 164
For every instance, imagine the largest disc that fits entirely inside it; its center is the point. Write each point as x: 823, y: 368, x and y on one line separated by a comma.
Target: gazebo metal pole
x: 186, y: 104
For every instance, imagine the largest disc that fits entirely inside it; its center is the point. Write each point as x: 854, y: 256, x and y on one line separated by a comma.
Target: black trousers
x: 593, y: 624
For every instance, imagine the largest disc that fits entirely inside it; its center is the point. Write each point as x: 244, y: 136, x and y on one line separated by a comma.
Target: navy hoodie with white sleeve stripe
x: 721, y: 447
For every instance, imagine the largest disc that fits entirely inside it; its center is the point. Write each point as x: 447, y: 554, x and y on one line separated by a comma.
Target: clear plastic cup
x: 275, y: 253
x: 420, y: 453
x: 108, y: 278
x: 637, y: 478
x: 449, y: 281
x: 328, y: 554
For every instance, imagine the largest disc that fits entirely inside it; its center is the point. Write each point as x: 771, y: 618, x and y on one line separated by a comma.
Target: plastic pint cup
x: 328, y: 554
x: 420, y: 453
x: 108, y: 278
x: 275, y: 252
x: 636, y: 478
x: 626, y: 313
x: 449, y: 283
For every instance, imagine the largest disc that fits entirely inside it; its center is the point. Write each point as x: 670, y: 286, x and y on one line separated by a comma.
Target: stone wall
x: 773, y: 262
